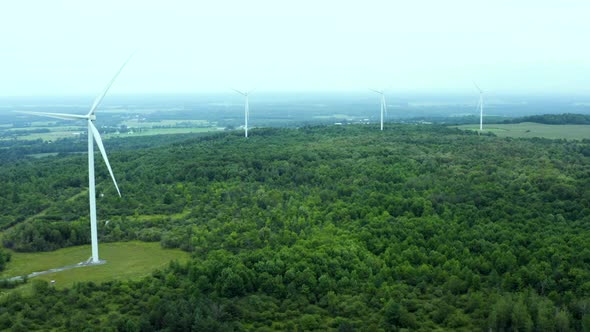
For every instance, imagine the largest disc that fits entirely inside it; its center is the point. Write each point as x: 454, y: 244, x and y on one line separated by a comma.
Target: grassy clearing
x: 171, y: 123
x: 125, y: 260
x: 163, y: 131
x: 47, y: 123
x: 63, y: 132
x: 43, y: 155
x: 50, y: 136
x: 530, y: 130
x: 336, y: 116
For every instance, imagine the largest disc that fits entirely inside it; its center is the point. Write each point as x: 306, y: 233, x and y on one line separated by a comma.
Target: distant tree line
x: 21, y: 132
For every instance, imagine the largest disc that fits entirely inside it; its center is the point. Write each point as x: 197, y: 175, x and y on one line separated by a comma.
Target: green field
x: 43, y: 155
x: 530, y: 130
x: 65, y: 132
x: 336, y: 116
x: 163, y: 131
x: 125, y: 260
x: 170, y: 123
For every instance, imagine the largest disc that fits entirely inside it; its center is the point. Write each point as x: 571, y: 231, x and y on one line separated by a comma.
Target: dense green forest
x: 318, y: 228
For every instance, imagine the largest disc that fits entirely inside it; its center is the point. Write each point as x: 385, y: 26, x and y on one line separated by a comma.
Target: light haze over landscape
x: 295, y: 165
x: 71, y: 47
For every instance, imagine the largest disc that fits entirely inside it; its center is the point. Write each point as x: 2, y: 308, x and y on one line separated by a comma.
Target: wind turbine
x: 383, y: 104
x: 246, y: 109
x: 93, y: 135
x: 480, y: 106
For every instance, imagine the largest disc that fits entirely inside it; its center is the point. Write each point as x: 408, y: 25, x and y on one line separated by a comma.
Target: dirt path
x: 58, y: 269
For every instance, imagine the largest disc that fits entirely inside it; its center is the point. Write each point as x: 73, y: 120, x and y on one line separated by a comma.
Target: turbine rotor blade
x: 98, y: 140
x: 106, y: 89
x: 240, y: 92
x: 480, y: 90
x: 62, y: 116
x: 376, y: 91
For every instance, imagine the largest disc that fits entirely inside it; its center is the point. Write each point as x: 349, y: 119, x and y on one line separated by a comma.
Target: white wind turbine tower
x: 246, y: 109
x: 480, y: 106
x: 383, y: 104
x: 93, y: 134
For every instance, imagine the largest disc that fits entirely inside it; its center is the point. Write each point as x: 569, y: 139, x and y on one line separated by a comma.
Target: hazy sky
x: 73, y: 47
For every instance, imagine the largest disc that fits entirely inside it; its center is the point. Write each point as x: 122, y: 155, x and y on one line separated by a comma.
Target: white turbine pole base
x: 480, y: 112
x: 382, y: 109
x: 246, y: 115
x: 92, y: 196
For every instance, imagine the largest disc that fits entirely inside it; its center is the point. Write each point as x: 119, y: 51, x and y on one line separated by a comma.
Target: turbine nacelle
x: 244, y: 93
x: 378, y: 91
x: 93, y: 131
x: 478, y: 88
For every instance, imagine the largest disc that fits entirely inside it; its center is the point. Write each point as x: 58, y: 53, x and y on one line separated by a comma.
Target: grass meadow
x: 530, y: 130
x: 124, y: 260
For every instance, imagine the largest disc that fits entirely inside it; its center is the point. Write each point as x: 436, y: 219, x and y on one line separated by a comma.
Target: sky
x: 71, y: 47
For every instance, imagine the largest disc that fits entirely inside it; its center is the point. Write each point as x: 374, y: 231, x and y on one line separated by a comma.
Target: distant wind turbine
x: 383, y: 104
x: 246, y: 109
x: 480, y: 106
x: 93, y: 134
